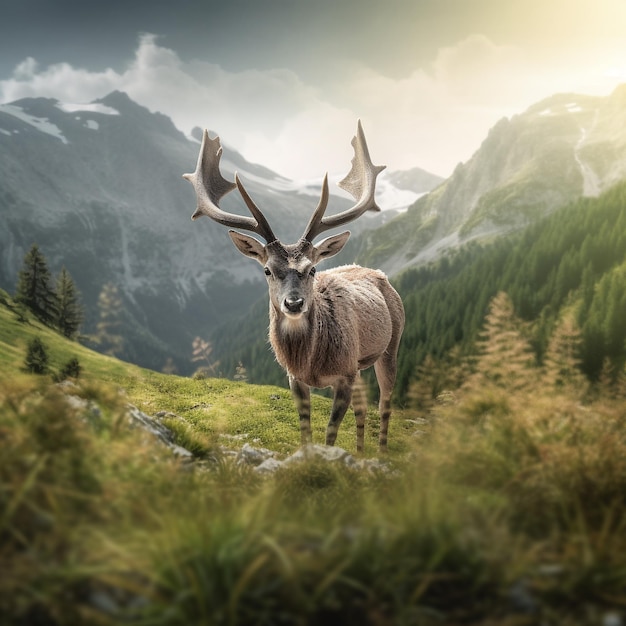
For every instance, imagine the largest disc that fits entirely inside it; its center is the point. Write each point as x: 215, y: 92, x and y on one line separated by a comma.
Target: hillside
x: 504, y: 504
x: 565, y: 147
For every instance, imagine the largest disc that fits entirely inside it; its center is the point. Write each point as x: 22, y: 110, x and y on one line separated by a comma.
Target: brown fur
x: 354, y: 321
x: 324, y: 327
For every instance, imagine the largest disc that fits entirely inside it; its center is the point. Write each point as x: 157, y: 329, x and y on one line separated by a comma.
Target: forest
x: 573, y: 260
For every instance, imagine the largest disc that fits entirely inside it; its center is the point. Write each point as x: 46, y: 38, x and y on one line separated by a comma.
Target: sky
x: 284, y: 81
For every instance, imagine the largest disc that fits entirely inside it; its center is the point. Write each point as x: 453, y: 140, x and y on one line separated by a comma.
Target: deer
x: 327, y: 326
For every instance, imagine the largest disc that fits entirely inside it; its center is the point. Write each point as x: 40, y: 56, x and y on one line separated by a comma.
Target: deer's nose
x: 294, y: 305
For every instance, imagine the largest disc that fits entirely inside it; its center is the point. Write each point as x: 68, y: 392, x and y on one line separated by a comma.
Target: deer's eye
x: 312, y: 272
x: 267, y: 271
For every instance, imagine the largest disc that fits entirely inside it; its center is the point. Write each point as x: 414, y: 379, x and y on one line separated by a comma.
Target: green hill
x: 501, y: 504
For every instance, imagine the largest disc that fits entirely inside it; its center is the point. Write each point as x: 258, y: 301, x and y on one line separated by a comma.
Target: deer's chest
x: 316, y: 353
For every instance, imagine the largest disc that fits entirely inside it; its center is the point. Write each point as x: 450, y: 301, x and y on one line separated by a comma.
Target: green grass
x: 509, y: 508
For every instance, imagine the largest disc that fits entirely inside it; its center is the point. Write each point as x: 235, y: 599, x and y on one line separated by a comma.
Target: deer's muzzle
x: 293, y: 305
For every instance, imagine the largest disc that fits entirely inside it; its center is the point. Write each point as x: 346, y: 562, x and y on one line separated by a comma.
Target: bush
x: 71, y: 369
x: 36, y: 361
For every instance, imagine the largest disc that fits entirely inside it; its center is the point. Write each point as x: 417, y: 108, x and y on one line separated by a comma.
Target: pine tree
x: 201, y: 351
x: 506, y: 359
x: 36, y: 361
x: 240, y: 373
x: 423, y: 390
x: 109, y: 326
x: 562, y: 360
x: 70, y: 312
x: 34, y: 289
x: 71, y: 369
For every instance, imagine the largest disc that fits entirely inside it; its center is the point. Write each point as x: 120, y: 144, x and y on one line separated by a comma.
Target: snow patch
x: 40, y: 123
x: 5, y: 132
x: 92, y: 107
x: 388, y: 196
x: 92, y: 124
x: 573, y: 107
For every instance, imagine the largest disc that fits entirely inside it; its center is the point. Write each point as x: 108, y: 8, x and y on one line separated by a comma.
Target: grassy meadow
x: 504, y: 503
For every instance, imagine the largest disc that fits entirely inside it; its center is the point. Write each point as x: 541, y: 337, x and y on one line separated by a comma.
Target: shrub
x: 71, y: 369
x: 36, y: 361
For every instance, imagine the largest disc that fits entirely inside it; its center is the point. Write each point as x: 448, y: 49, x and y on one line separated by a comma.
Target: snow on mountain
x: 41, y: 124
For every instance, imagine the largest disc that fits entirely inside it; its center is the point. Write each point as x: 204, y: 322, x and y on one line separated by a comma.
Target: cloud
x: 432, y: 118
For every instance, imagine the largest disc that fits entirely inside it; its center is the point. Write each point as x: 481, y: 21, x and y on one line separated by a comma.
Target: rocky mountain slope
x: 99, y: 188
x: 560, y: 149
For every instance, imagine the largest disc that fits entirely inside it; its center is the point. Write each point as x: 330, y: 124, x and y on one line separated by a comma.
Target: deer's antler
x: 211, y: 187
x: 360, y: 183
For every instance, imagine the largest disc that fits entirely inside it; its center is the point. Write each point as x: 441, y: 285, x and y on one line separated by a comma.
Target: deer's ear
x: 249, y: 246
x: 330, y: 246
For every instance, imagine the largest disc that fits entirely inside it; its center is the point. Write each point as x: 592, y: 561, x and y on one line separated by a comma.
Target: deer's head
x: 289, y: 268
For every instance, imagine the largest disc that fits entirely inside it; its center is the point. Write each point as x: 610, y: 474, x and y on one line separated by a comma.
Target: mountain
x: 562, y: 148
x: 99, y: 188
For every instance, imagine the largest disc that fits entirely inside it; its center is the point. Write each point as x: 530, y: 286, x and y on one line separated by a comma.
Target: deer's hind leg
x: 359, y: 404
x: 385, y: 369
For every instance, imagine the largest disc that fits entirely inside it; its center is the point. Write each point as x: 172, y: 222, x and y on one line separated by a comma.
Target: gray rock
x: 312, y: 451
x: 612, y: 619
x: 269, y: 466
x: 253, y: 456
x: 151, y: 425
x: 330, y: 454
x: 89, y: 410
x: 139, y: 419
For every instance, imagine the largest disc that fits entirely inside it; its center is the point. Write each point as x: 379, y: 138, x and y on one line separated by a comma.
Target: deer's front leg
x: 302, y: 397
x: 341, y: 402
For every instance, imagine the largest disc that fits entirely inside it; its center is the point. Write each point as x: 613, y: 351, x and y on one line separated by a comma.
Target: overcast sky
x: 284, y: 81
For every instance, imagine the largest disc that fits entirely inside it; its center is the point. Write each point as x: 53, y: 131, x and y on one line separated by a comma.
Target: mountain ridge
x: 561, y: 148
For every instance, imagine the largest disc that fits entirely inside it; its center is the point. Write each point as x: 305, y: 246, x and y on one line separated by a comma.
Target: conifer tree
x: 562, y: 360
x: 606, y: 383
x: 36, y: 361
x: 34, y: 289
x: 71, y: 369
x: 423, y: 390
x: 70, y: 312
x: 109, y: 326
x: 201, y: 351
x: 506, y: 359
